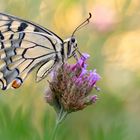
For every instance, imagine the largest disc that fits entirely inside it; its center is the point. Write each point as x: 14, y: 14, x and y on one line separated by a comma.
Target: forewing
x: 10, y: 24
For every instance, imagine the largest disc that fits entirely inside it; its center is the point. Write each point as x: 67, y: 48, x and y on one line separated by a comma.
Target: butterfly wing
x: 23, y: 46
x: 9, y: 23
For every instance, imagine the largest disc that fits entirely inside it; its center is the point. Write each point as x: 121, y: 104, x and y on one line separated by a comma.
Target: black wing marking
x: 15, y: 24
x: 45, y: 69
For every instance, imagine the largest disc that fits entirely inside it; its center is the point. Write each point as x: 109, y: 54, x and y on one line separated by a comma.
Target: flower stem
x: 61, y: 116
x: 54, y: 131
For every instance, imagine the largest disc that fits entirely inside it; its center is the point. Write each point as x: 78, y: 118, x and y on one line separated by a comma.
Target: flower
x: 71, y: 85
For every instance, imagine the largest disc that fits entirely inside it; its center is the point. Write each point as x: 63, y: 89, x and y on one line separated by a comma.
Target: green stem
x: 54, y: 131
x: 61, y: 116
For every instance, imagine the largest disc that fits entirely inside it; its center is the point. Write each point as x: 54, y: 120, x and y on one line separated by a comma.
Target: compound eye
x: 73, y: 40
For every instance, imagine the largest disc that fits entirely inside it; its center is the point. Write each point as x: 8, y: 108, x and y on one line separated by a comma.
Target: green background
x: 112, y: 40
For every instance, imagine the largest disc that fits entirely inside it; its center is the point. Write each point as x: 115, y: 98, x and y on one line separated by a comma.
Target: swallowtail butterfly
x: 25, y: 45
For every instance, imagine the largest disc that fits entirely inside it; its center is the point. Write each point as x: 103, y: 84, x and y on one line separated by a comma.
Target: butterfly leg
x: 75, y: 56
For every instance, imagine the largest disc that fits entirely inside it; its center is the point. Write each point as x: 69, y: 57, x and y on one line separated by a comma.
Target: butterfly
x: 25, y: 45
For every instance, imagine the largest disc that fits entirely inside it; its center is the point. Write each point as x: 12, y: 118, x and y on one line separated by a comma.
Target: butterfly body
x: 24, y: 46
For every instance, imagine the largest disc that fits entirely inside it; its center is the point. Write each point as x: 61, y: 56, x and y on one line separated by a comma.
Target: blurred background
x: 112, y: 40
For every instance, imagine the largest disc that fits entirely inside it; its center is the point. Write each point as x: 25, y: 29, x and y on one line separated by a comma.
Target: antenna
x: 82, y: 24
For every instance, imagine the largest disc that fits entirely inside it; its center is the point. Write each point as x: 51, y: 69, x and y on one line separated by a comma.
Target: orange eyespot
x: 16, y: 83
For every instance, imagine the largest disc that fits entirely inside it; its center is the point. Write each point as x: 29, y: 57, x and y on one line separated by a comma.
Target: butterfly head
x: 73, y: 39
x: 72, y: 42
x: 74, y: 47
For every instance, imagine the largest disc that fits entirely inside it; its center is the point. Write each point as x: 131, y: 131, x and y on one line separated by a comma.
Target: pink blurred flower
x: 104, y: 18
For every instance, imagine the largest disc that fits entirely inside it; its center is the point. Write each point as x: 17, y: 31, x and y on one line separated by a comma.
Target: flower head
x: 71, y: 85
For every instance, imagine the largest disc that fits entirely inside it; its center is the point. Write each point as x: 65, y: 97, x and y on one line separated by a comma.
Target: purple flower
x: 71, y: 85
x: 85, y: 76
